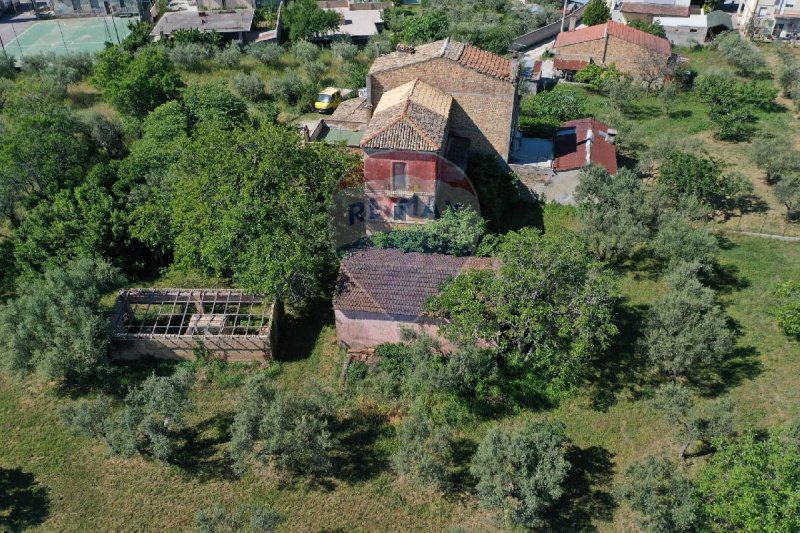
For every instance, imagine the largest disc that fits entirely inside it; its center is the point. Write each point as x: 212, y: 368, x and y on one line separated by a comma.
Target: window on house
x: 400, y: 211
x: 762, y: 11
x: 692, y: 30
x: 399, y: 176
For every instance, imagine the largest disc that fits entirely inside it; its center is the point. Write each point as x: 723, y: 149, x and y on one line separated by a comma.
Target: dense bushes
x: 456, y: 232
x: 424, y: 452
x: 278, y: 429
x: 789, y: 312
x: 55, y: 328
x: 541, y: 114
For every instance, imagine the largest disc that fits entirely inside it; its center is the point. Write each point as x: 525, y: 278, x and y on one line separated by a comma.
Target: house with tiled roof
x: 612, y: 42
x: 583, y: 142
x: 483, y: 87
x: 683, y: 22
x: 382, y: 292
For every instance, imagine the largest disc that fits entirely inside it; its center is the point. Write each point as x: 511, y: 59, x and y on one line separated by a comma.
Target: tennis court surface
x: 69, y: 35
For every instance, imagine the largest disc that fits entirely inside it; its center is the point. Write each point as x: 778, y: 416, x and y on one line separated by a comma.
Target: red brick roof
x: 620, y: 31
x: 392, y: 282
x: 569, y: 64
x: 570, y: 148
x: 465, y: 54
x: 655, y: 9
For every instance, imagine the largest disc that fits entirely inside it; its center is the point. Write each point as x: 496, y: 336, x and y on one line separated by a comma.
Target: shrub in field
x: 267, y: 53
x: 662, y: 494
x: 424, y: 453
x: 249, y: 86
x: 522, y: 470
x: 230, y: 56
x: 305, y: 52
x: 686, y: 331
x: 344, y: 50
x: 55, y: 327
x: 789, y: 313
x: 190, y: 56
x: 251, y: 518
x: 276, y: 428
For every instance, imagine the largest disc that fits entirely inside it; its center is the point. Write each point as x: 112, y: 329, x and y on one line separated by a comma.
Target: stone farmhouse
x: 382, y: 292
x: 483, y: 85
x: 433, y: 106
x: 628, y: 48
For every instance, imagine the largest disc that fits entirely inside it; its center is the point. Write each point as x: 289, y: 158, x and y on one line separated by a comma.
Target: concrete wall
x: 483, y: 109
x: 529, y: 40
x: 357, y: 330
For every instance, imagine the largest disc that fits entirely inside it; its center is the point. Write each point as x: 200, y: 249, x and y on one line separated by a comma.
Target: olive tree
x: 685, y: 330
x: 679, y: 241
x: 789, y: 312
x: 279, y: 429
x: 522, y: 470
x: 247, y: 518
x: 424, y: 453
x: 55, y: 326
x: 149, y: 421
x: 613, y: 210
x: 662, y: 494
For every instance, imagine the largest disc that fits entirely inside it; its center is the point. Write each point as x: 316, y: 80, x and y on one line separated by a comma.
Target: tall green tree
x: 547, y: 309
x: 522, y: 470
x: 596, y: 12
x: 137, y: 84
x: 256, y: 207
x: 752, y: 484
x: 306, y: 20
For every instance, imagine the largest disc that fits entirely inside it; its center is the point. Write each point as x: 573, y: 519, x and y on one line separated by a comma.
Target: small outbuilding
x: 174, y: 323
x: 381, y: 292
x: 232, y: 24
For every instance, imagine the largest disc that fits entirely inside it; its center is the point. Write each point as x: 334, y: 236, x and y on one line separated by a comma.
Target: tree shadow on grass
x: 742, y: 364
x: 622, y: 366
x: 24, y: 503
x: 298, y: 334
x: 587, y: 494
x: 204, y: 455
x: 356, y: 457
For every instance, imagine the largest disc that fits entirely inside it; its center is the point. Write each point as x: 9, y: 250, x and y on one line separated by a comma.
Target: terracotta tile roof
x: 620, y: 31
x: 645, y: 8
x: 569, y: 64
x: 465, y: 54
x: 413, y: 116
x: 570, y: 146
x: 394, y: 282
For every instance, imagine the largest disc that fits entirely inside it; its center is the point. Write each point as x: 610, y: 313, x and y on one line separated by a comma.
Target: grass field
x: 69, y: 35
x: 67, y: 483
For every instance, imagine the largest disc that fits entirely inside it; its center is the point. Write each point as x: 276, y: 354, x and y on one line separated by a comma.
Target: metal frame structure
x: 173, y: 323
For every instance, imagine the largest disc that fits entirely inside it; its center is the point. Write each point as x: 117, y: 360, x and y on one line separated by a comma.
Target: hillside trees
x: 547, y: 309
x: 55, y: 328
x: 521, y: 470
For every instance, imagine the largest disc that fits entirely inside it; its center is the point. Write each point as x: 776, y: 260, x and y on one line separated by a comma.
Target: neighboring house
x: 646, y: 11
x: 483, y: 87
x: 357, y: 20
x: 380, y: 293
x: 82, y: 8
x: 553, y: 165
x: 696, y: 28
x: 232, y: 25
x: 779, y: 18
x: 632, y: 51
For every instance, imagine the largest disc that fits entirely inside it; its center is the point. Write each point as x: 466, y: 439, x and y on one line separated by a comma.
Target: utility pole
x: 16, y: 39
x: 563, y: 16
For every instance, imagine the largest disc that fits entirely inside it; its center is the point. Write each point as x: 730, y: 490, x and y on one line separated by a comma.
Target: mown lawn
x: 68, y: 483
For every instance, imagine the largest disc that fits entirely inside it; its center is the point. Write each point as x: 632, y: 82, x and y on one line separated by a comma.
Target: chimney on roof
x: 589, y: 141
x: 611, y: 136
x: 405, y: 48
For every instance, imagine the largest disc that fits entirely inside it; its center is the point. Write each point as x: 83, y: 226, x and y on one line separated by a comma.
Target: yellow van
x: 328, y: 100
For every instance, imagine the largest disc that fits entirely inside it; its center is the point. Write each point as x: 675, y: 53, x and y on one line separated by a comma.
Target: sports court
x: 69, y: 35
